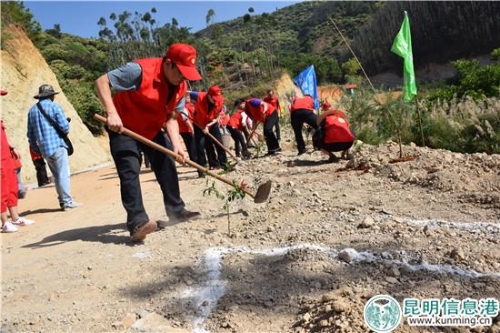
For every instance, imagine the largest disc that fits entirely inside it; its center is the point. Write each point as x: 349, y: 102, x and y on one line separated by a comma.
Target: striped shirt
x: 41, y: 135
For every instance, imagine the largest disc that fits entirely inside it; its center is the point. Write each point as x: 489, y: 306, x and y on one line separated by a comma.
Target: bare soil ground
x: 330, y: 237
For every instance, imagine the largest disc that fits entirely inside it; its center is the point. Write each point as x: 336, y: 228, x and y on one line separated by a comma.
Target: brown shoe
x: 140, y: 232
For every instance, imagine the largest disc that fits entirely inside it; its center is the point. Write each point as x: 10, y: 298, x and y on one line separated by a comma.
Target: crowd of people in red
x: 150, y: 97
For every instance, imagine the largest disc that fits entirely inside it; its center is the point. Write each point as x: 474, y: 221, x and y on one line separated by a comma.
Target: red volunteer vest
x: 304, y: 103
x: 337, y: 130
x: 271, y: 100
x: 257, y: 113
x: 146, y: 110
x: 183, y: 128
x: 202, y: 114
x: 236, y: 120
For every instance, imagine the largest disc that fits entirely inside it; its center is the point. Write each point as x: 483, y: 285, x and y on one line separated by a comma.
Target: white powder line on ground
x: 475, y: 227
x: 206, y: 297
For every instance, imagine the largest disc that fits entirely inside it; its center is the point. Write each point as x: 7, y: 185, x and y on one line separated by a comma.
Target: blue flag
x: 307, y: 83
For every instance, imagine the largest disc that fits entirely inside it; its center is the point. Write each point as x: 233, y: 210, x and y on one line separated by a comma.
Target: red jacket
x: 146, y: 110
x: 337, y: 130
x: 254, y: 108
x: 302, y: 103
x: 204, y: 112
x: 5, y: 147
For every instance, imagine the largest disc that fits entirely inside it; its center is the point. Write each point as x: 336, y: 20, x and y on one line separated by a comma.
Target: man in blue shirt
x: 44, y: 139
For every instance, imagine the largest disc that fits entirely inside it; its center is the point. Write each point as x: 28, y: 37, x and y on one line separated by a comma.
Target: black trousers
x: 204, y: 144
x: 277, y: 129
x: 188, y: 139
x: 239, y: 140
x: 219, y: 159
x: 271, y: 140
x: 41, y: 171
x: 335, y: 146
x: 126, y: 155
x: 298, y: 118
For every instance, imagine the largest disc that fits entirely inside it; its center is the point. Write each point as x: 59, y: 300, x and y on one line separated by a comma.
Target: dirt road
x: 306, y: 261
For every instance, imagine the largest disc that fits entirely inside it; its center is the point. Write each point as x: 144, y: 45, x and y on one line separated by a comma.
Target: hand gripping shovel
x: 260, y: 196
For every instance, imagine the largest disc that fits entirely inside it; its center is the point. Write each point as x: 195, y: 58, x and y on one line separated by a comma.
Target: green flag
x: 402, y: 47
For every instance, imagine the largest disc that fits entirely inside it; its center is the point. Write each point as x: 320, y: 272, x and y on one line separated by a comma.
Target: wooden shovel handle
x: 173, y: 154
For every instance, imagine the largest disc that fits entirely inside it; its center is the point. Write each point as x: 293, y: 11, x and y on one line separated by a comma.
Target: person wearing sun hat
x: 148, y: 95
x: 333, y: 134
x: 207, y: 108
x: 44, y: 139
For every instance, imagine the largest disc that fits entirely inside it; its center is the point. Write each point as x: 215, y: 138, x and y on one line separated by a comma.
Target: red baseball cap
x: 184, y: 57
x: 216, y: 93
x: 3, y: 92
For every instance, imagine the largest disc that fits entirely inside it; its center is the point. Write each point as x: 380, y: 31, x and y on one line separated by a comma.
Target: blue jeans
x: 59, y: 166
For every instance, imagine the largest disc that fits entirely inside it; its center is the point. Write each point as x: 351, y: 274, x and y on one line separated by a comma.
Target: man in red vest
x: 207, y: 108
x: 261, y: 112
x: 302, y: 111
x: 149, y: 93
x: 237, y: 125
x: 333, y: 134
x: 274, y: 101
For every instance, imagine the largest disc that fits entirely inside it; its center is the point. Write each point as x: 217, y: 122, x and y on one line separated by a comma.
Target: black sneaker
x: 183, y: 216
x: 246, y: 154
x: 333, y: 159
x: 273, y: 152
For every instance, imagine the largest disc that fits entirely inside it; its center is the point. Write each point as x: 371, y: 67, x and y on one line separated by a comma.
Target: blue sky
x: 80, y: 17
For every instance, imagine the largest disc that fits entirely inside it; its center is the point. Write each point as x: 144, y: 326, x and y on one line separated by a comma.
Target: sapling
x: 236, y: 192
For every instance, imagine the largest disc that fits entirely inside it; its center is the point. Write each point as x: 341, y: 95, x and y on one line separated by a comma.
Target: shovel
x: 260, y: 196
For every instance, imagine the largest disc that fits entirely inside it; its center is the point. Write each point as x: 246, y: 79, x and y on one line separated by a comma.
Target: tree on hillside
x: 209, y: 19
x: 14, y: 12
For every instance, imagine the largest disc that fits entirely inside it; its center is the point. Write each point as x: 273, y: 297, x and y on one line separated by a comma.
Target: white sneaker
x: 23, y: 221
x: 8, y: 227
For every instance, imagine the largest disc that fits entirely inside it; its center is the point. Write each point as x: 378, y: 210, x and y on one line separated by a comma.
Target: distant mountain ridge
x: 441, y: 31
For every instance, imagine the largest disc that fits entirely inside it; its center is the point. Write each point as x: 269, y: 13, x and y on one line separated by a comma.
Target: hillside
x: 23, y: 71
x: 441, y: 32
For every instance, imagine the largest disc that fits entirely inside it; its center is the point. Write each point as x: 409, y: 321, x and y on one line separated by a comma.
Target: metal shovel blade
x: 262, y: 193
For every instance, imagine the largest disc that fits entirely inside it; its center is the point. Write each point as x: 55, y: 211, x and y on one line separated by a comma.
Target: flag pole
x: 420, y: 122
x: 349, y: 47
